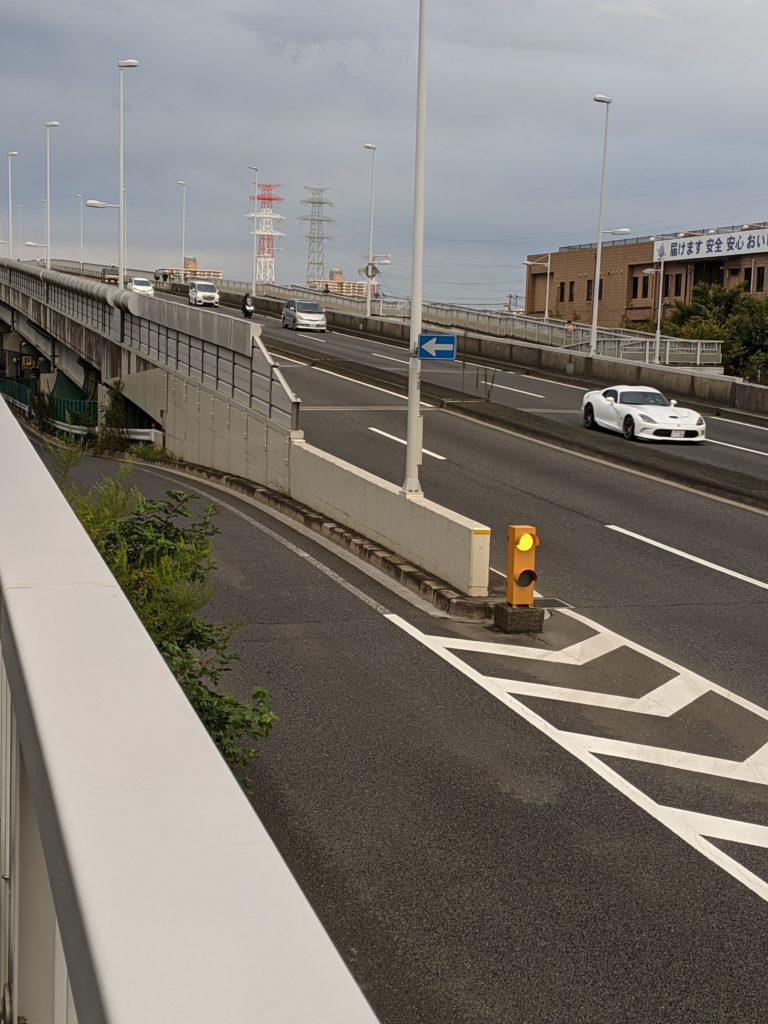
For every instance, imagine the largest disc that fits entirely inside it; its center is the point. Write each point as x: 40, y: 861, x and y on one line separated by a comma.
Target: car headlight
x: 699, y: 422
x: 647, y: 419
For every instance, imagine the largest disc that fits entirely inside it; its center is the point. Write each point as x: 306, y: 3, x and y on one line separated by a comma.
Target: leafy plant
x: 160, y: 554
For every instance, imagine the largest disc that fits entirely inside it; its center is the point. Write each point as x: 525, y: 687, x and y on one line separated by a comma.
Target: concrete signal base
x: 510, y: 619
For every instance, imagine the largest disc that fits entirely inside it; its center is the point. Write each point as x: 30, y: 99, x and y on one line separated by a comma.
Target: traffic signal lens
x: 525, y: 543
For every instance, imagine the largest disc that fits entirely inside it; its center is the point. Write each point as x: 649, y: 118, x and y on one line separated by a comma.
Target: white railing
x: 137, y: 882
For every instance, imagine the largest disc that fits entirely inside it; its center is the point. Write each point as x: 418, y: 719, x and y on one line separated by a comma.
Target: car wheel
x: 628, y: 429
x: 589, y: 417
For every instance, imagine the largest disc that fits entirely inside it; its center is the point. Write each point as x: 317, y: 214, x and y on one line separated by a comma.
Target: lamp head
x: 130, y: 63
x: 181, y: 183
x: 12, y: 152
x: 52, y: 124
x: 602, y: 99
x: 368, y: 145
x: 96, y: 204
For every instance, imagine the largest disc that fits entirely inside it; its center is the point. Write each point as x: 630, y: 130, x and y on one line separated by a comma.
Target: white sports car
x: 641, y: 414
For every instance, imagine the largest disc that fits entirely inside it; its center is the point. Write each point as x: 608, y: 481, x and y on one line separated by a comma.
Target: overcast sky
x: 514, y: 140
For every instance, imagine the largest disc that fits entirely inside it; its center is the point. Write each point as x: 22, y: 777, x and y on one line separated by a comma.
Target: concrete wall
x: 439, y: 541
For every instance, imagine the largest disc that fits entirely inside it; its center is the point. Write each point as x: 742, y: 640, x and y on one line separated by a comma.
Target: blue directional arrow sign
x: 437, y: 346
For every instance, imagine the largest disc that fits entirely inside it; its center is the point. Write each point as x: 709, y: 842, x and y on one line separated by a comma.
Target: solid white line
x: 373, y: 387
x: 401, y: 441
x: 519, y: 391
x: 678, y: 822
x: 738, y: 447
x: 724, y: 828
x: 691, y: 558
x: 560, y: 384
x: 739, y: 423
x: 299, y: 362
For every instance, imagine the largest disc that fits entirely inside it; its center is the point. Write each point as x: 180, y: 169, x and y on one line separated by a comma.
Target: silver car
x: 304, y: 315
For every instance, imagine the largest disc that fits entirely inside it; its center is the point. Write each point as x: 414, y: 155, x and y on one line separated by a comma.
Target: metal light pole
x: 11, y: 153
x: 255, y: 200
x: 48, y: 126
x: 78, y: 196
x: 411, y: 486
x: 18, y: 207
x: 121, y: 66
x: 372, y: 148
x: 606, y: 100
x: 660, y: 272
x: 183, y: 229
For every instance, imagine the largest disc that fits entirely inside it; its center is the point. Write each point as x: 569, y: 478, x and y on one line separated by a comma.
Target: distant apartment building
x: 336, y: 284
x: 191, y: 272
x: 629, y: 296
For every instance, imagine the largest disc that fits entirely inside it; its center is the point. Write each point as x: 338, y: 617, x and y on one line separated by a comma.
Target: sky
x: 514, y: 140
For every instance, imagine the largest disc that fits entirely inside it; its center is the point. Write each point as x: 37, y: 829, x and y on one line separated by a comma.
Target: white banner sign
x: 702, y: 247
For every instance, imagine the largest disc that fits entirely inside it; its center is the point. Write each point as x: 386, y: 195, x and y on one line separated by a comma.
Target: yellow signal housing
x: 522, y: 542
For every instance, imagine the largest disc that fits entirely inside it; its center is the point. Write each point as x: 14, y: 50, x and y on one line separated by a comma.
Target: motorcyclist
x: 247, y: 307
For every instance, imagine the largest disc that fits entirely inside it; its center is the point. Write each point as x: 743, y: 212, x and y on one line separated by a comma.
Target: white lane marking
x: 498, y: 573
x: 680, y: 823
x: 362, y: 384
x: 739, y: 423
x: 401, y: 441
x: 724, y: 828
x: 298, y: 362
x: 505, y: 387
x: 690, y: 558
x: 559, y: 383
x: 738, y: 447
x: 380, y: 355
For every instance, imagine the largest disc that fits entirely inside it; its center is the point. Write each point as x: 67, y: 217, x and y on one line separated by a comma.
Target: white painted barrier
x: 138, y: 882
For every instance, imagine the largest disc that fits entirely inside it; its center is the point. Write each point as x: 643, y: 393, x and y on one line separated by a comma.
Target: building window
x: 571, y: 290
x: 678, y: 285
x: 646, y: 280
x: 561, y: 292
x: 747, y: 279
x: 760, y: 286
x: 666, y: 286
x: 634, y: 287
x: 600, y: 291
x: 590, y: 286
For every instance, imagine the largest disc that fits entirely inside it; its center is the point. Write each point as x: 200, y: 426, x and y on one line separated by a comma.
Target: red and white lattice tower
x: 264, y: 226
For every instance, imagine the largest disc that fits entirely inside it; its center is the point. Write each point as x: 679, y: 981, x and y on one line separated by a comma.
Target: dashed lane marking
x: 399, y: 440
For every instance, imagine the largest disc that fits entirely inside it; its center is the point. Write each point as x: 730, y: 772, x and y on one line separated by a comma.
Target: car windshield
x: 205, y: 288
x: 643, y: 398
x: 309, y: 307
x: 142, y: 282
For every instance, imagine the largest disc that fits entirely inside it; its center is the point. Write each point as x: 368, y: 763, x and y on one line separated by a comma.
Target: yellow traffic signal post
x: 518, y: 614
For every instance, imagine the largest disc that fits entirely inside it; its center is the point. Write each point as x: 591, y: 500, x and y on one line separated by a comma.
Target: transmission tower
x: 264, y: 226
x: 318, y: 218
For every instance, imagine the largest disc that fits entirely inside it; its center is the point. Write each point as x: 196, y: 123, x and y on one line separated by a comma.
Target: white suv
x: 301, y: 314
x: 203, y: 293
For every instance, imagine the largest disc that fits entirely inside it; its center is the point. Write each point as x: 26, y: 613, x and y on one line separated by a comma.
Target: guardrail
x: 137, y: 882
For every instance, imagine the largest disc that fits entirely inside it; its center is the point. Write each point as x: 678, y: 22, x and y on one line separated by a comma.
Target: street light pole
x: 255, y: 200
x: 12, y: 153
x: 411, y: 486
x: 606, y: 100
x: 121, y: 66
x: 183, y: 229
x: 48, y: 126
x: 80, y: 197
x: 372, y: 148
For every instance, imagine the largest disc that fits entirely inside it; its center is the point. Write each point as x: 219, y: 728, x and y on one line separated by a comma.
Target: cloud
x: 634, y: 11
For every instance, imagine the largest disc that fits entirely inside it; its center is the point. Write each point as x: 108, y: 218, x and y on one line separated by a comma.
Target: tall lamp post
x: 411, y: 485
x: 80, y: 197
x: 606, y: 100
x: 255, y: 200
x: 660, y: 298
x: 48, y: 126
x: 121, y: 66
x: 183, y: 229
x: 370, y: 146
x: 540, y: 263
x: 11, y: 153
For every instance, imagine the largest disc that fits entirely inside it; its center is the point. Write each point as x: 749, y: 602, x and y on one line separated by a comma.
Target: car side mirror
x: 611, y: 401
x: 673, y: 401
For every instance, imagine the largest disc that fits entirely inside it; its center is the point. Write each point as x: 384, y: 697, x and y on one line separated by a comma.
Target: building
x: 628, y: 295
x: 337, y: 285
x: 191, y: 273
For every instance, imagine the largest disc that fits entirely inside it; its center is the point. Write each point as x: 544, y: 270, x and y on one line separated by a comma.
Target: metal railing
x: 137, y: 881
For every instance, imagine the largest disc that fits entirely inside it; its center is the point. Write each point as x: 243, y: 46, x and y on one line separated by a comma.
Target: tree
x: 739, y: 320
x: 160, y: 554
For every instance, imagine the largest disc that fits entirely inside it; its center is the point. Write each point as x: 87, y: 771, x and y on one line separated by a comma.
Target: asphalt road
x: 474, y: 854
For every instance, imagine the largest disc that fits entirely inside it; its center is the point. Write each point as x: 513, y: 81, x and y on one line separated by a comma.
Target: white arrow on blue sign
x: 437, y: 346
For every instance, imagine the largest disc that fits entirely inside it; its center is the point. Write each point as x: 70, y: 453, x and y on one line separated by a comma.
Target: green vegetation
x: 739, y: 320
x: 160, y: 554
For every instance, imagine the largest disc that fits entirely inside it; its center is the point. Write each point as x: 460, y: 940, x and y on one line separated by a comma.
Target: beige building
x: 628, y: 296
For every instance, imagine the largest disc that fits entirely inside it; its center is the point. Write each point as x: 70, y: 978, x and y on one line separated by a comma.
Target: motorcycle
x: 247, y: 308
